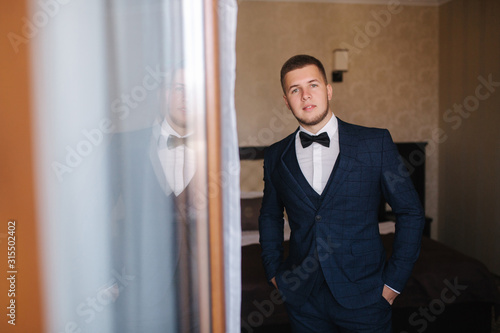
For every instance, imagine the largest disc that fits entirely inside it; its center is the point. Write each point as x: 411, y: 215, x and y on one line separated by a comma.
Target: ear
x: 329, y: 91
x: 286, y: 102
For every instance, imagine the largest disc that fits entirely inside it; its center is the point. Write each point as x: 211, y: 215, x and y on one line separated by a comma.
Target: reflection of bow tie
x: 307, y: 140
x: 174, y: 141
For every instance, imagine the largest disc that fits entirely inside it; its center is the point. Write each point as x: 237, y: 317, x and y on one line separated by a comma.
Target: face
x: 307, y: 95
x: 176, y: 103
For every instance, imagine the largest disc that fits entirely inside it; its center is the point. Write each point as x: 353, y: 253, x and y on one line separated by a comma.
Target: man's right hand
x: 273, y: 281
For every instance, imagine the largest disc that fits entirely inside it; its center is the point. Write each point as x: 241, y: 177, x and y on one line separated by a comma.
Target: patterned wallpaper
x: 392, y: 80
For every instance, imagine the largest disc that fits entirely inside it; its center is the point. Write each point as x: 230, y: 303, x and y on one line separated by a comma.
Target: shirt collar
x: 165, y: 129
x: 161, y: 129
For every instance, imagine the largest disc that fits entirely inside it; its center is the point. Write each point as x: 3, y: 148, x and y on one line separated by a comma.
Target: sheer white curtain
x: 231, y: 164
x: 121, y: 249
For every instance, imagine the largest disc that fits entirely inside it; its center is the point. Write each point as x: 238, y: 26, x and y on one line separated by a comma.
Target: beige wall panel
x: 469, y: 210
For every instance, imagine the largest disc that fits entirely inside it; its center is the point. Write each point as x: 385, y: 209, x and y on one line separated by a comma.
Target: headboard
x: 413, y: 155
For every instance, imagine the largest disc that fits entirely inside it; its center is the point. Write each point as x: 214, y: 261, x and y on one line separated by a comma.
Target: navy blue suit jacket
x: 336, y: 233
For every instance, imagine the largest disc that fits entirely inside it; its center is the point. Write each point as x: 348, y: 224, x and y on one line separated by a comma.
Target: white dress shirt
x: 178, y: 163
x: 317, y: 161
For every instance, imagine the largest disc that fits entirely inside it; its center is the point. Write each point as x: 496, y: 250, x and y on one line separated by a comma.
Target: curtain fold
x: 228, y: 11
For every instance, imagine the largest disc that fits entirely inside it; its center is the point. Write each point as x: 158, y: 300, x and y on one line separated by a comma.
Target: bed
x: 447, y: 291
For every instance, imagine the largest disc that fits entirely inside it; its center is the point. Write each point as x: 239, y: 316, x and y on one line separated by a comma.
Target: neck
x: 178, y: 129
x: 316, y: 128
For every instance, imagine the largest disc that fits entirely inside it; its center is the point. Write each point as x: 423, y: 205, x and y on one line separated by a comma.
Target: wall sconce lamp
x: 340, y: 60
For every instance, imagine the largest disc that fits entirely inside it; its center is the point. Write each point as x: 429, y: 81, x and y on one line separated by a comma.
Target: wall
x: 469, y: 182
x: 16, y: 176
x: 392, y: 80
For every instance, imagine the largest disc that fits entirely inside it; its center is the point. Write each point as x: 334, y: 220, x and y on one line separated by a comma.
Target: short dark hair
x: 300, y: 61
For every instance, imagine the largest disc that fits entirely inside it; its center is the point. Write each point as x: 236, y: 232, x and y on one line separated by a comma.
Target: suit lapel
x: 289, y: 171
x: 348, y: 142
x: 155, y: 161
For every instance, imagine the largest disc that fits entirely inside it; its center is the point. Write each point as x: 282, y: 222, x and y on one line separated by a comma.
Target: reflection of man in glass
x: 155, y: 170
x: 176, y: 157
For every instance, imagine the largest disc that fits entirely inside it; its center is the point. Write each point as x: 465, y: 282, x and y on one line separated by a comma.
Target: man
x: 173, y: 135
x: 154, y: 183
x: 330, y: 176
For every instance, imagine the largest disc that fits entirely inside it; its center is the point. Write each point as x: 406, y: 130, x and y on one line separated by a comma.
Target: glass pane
x: 120, y: 108
x: 159, y: 166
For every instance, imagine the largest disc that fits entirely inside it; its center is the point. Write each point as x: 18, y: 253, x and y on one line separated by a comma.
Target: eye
x: 314, y: 85
x: 294, y: 91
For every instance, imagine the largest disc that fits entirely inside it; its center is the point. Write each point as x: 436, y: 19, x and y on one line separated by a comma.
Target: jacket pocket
x: 366, y: 246
x: 368, y: 260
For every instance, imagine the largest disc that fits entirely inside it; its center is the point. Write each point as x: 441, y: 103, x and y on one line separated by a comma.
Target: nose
x: 306, y: 95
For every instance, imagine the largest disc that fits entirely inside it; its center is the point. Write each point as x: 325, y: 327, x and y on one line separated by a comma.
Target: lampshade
x: 340, y: 60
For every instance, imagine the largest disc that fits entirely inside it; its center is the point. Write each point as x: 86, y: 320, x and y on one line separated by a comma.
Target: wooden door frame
x: 215, y: 215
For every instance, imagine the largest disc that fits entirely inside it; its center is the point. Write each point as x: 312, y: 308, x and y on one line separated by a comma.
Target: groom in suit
x: 329, y: 177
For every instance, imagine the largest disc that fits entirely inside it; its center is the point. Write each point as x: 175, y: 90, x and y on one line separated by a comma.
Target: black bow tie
x: 174, y: 141
x: 307, y: 140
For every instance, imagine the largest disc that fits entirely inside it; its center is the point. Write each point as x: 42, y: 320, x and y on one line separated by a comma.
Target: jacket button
x: 318, y: 217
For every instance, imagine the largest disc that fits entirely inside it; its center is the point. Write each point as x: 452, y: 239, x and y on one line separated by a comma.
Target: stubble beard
x: 178, y: 123
x: 316, y: 120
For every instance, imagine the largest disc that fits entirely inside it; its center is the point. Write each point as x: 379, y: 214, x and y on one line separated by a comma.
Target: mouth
x: 308, y: 107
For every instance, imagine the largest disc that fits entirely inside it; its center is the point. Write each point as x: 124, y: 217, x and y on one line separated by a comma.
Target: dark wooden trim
x: 252, y: 153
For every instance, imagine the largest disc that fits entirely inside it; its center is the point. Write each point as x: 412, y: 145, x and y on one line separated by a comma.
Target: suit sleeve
x: 271, y: 222
x: 400, y: 193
